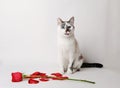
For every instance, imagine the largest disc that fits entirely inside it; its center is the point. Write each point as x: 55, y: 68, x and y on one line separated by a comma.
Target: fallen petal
x: 35, y: 73
x: 44, y: 79
x: 38, y: 74
x: 57, y: 74
x: 63, y: 78
x: 32, y: 81
x: 59, y: 78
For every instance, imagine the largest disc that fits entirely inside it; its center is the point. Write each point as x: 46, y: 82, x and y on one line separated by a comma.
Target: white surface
x: 104, y: 78
x: 28, y: 37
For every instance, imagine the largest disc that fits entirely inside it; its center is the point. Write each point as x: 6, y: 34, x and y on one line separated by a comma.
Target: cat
x: 69, y: 53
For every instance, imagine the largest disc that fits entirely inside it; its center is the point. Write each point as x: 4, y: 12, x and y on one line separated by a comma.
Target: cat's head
x: 66, y: 28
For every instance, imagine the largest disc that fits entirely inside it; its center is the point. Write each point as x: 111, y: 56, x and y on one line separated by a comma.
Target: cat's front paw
x: 70, y: 71
x: 73, y: 70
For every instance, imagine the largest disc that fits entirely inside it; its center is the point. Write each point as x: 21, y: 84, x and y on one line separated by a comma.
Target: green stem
x: 25, y: 76
x: 81, y: 80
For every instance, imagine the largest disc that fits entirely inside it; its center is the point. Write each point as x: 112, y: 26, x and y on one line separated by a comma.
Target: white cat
x: 68, y: 49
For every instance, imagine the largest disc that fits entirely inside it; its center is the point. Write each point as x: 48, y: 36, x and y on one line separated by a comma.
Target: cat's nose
x: 67, y: 30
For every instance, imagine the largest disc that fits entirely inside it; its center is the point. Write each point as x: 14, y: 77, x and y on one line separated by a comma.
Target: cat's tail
x: 89, y: 65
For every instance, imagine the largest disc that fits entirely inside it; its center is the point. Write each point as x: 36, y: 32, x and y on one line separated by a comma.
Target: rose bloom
x: 17, y: 77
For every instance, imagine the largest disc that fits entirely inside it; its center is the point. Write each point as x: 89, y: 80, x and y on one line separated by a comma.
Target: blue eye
x: 63, y: 26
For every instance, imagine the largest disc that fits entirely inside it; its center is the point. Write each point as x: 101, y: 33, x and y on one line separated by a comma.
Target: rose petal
x: 17, y: 77
x: 36, y: 73
x: 57, y: 74
x: 43, y: 74
x: 54, y: 78
x: 44, y: 79
x: 39, y: 74
x: 65, y: 77
x: 60, y: 78
x: 32, y: 81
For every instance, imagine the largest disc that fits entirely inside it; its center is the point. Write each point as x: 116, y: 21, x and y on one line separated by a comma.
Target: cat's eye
x: 63, y: 26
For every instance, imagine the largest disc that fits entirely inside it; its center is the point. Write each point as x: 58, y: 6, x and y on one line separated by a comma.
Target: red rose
x: 32, y: 81
x: 17, y: 77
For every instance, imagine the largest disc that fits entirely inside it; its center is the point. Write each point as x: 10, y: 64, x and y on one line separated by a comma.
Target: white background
x: 28, y: 30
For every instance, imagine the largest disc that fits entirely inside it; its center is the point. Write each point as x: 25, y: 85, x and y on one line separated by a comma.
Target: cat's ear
x: 71, y: 21
x: 59, y: 21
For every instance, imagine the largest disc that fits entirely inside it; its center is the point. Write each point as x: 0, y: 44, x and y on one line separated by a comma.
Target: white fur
x: 68, y: 50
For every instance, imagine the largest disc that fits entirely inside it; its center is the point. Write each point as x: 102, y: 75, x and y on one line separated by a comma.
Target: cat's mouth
x: 67, y: 33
